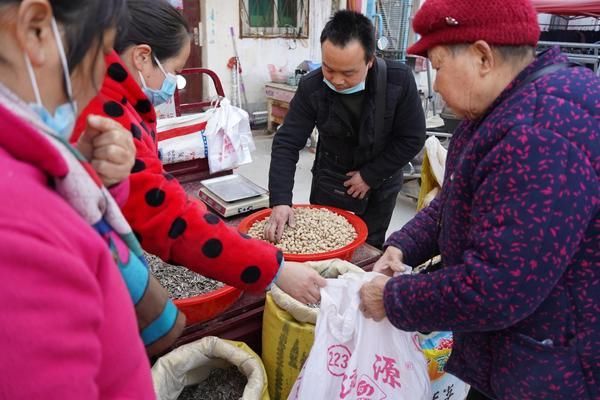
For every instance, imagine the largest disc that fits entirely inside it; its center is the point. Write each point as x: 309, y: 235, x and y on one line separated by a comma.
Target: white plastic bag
x: 182, y: 138
x: 354, y: 358
x: 229, y: 138
x: 278, y: 74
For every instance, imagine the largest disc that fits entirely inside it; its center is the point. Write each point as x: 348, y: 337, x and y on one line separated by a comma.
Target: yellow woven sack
x: 428, y: 183
x: 285, y: 346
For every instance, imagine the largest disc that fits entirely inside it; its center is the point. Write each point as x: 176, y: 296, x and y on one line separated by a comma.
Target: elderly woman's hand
x: 109, y: 148
x: 390, y: 262
x: 371, y: 298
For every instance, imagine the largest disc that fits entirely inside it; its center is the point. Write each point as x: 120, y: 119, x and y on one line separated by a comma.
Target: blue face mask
x: 61, y: 123
x: 167, y: 90
x: 355, y: 89
x: 63, y: 120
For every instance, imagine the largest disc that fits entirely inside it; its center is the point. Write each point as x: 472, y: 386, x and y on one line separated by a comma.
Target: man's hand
x: 371, y: 298
x: 280, y: 215
x: 301, y: 282
x: 109, y: 148
x: 357, y: 188
x: 390, y: 262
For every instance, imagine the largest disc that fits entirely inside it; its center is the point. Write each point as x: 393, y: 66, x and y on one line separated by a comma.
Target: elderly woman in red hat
x: 518, y: 221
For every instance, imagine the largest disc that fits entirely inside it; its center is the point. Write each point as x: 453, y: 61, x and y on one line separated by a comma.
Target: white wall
x: 255, y: 54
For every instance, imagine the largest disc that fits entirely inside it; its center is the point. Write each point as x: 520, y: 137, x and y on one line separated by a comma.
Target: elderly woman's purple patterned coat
x: 520, y: 240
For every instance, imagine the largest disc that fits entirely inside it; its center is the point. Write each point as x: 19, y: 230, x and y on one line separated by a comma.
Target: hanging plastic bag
x: 229, y: 137
x: 355, y: 358
x: 288, y: 330
x: 192, y: 363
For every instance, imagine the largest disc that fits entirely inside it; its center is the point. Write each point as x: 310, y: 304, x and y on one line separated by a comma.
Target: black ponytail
x: 157, y: 24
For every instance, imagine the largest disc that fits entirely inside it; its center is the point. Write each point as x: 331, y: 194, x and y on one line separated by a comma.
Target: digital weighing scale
x: 234, y: 194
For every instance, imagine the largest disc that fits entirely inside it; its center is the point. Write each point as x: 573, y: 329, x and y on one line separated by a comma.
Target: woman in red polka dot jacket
x: 169, y: 223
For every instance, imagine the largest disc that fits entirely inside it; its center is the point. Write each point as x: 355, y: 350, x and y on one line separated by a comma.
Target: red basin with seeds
x: 208, y: 305
x: 344, y: 253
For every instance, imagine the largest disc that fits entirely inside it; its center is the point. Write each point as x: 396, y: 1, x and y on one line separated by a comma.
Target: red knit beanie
x: 498, y: 22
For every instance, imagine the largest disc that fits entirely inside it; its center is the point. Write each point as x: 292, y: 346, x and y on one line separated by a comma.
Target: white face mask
x: 63, y: 120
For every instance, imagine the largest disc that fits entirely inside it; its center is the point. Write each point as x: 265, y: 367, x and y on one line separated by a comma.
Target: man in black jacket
x: 340, y: 99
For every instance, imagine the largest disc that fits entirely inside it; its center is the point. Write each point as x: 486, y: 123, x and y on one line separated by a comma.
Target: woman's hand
x: 390, y: 262
x: 109, y: 148
x: 301, y: 282
x: 371, y: 298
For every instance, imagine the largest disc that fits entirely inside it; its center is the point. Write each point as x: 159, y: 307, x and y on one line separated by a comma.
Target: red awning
x: 568, y: 7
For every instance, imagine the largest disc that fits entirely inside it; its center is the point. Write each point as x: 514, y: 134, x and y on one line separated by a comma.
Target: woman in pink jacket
x: 68, y: 327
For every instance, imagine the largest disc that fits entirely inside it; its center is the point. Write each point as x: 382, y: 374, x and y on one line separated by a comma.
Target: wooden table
x: 279, y: 96
x: 243, y: 321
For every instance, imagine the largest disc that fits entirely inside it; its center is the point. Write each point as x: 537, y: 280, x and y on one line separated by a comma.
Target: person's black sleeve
x: 290, y: 138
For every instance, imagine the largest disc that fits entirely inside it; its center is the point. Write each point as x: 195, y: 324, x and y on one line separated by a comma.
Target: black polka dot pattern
x: 212, y: 248
x: 279, y: 257
x: 155, y: 197
x: 138, y: 166
x: 143, y: 106
x: 178, y: 227
x: 211, y: 219
x: 136, y: 131
x: 124, y: 100
x: 113, y: 109
x: 251, y: 275
x: 117, y: 72
x: 153, y: 134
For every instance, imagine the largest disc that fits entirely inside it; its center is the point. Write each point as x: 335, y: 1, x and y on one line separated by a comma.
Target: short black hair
x: 155, y: 23
x: 84, y: 23
x: 345, y: 26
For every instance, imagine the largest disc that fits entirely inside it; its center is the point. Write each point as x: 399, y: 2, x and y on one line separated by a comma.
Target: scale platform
x: 233, y: 194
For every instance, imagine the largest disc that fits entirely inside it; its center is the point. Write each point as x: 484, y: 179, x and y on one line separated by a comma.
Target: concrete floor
x: 258, y: 172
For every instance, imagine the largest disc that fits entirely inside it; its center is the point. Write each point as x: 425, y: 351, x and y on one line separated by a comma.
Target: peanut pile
x: 317, y: 230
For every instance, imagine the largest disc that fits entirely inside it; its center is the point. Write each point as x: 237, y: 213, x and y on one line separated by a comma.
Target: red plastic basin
x: 345, y: 253
x: 208, y: 305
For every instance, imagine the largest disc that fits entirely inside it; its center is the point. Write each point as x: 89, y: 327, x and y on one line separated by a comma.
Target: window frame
x: 300, y: 31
